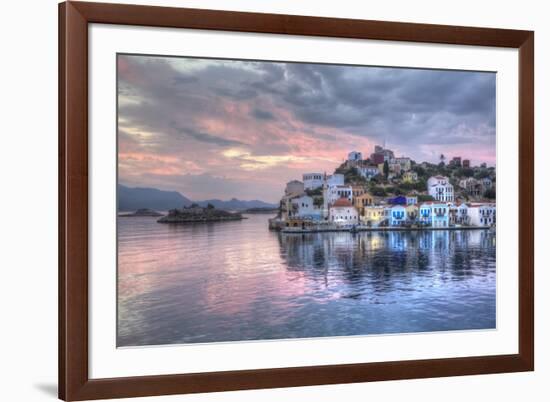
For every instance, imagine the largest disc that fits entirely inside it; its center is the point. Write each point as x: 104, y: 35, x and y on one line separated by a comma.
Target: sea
x: 239, y: 281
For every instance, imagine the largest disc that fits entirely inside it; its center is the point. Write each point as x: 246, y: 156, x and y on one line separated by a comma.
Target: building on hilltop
x: 404, y: 163
x: 410, y: 177
x: 381, y: 155
x: 355, y: 156
x: 456, y: 161
x: 368, y: 171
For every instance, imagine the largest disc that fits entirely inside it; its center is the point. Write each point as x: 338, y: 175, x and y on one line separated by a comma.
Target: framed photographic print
x: 257, y: 200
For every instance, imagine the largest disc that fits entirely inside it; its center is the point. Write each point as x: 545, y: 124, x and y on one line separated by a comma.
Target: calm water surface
x: 232, y: 281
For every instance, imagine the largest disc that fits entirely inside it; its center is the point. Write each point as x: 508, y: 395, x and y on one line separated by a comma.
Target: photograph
x: 262, y: 200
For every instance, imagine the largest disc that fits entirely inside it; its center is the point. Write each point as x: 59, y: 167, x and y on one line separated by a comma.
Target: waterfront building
x: 434, y: 214
x: 425, y: 214
x: 303, y: 207
x: 342, y: 212
x: 372, y: 215
x: 294, y: 187
x: 313, y: 180
x: 412, y: 212
x: 458, y: 214
x: 440, y: 188
x: 410, y: 177
x: 362, y: 201
x: 440, y: 215
x: 482, y: 214
x: 398, y: 215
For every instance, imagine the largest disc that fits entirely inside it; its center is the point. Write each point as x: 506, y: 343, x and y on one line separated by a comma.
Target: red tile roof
x: 342, y: 202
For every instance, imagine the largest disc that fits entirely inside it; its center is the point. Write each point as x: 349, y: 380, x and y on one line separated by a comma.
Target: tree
x: 420, y: 171
x: 482, y: 174
x: 442, y: 159
x: 466, y: 172
x: 315, y: 191
x: 386, y: 169
x: 210, y: 206
x: 490, y: 193
x: 378, y: 191
x: 425, y: 197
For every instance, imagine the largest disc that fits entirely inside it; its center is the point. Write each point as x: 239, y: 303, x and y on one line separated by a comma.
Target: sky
x: 223, y: 129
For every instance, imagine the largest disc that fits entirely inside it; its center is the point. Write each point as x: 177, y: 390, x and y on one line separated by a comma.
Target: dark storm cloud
x: 262, y: 114
x: 395, y: 103
x: 205, y: 137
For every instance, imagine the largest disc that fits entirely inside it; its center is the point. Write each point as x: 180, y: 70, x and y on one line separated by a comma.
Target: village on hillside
x: 388, y: 192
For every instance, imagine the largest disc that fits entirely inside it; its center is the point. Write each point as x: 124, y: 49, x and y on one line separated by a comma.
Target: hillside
x: 132, y: 199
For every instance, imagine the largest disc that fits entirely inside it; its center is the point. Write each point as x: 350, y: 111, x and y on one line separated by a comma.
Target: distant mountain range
x: 134, y: 198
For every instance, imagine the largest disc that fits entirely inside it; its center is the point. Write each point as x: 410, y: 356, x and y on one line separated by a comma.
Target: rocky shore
x: 197, y: 214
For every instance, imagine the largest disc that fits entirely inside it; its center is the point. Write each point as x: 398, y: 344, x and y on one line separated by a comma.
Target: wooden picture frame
x: 74, y: 381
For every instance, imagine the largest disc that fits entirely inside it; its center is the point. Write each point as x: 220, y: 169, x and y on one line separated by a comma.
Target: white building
x: 458, y: 214
x: 294, y: 187
x: 398, y: 215
x: 342, y: 212
x: 440, y: 188
x: 404, y: 163
x: 334, y: 193
x: 302, y: 207
x: 482, y: 214
x: 411, y: 199
x: 368, y: 172
x: 337, y: 179
x: 355, y: 156
x: 313, y: 180
x: 434, y: 214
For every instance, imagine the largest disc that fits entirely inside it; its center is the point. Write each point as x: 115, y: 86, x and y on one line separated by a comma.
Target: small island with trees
x: 197, y: 214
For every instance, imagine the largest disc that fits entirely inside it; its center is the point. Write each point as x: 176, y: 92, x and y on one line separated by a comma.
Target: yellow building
x: 357, y: 190
x: 362, y: 201
x: 410, y: 177
x: 412, y: 212
x: 372, y: 215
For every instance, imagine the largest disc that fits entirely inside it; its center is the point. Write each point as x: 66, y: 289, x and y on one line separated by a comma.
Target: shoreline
x: 388, y: 229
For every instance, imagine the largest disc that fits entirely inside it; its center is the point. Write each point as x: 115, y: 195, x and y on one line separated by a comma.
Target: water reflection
x: 237, y: 281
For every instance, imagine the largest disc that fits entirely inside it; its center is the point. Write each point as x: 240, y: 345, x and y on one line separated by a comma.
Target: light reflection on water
x: 234, y: 281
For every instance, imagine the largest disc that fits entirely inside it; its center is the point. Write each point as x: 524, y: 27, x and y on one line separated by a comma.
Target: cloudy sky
x: 221, y: 129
